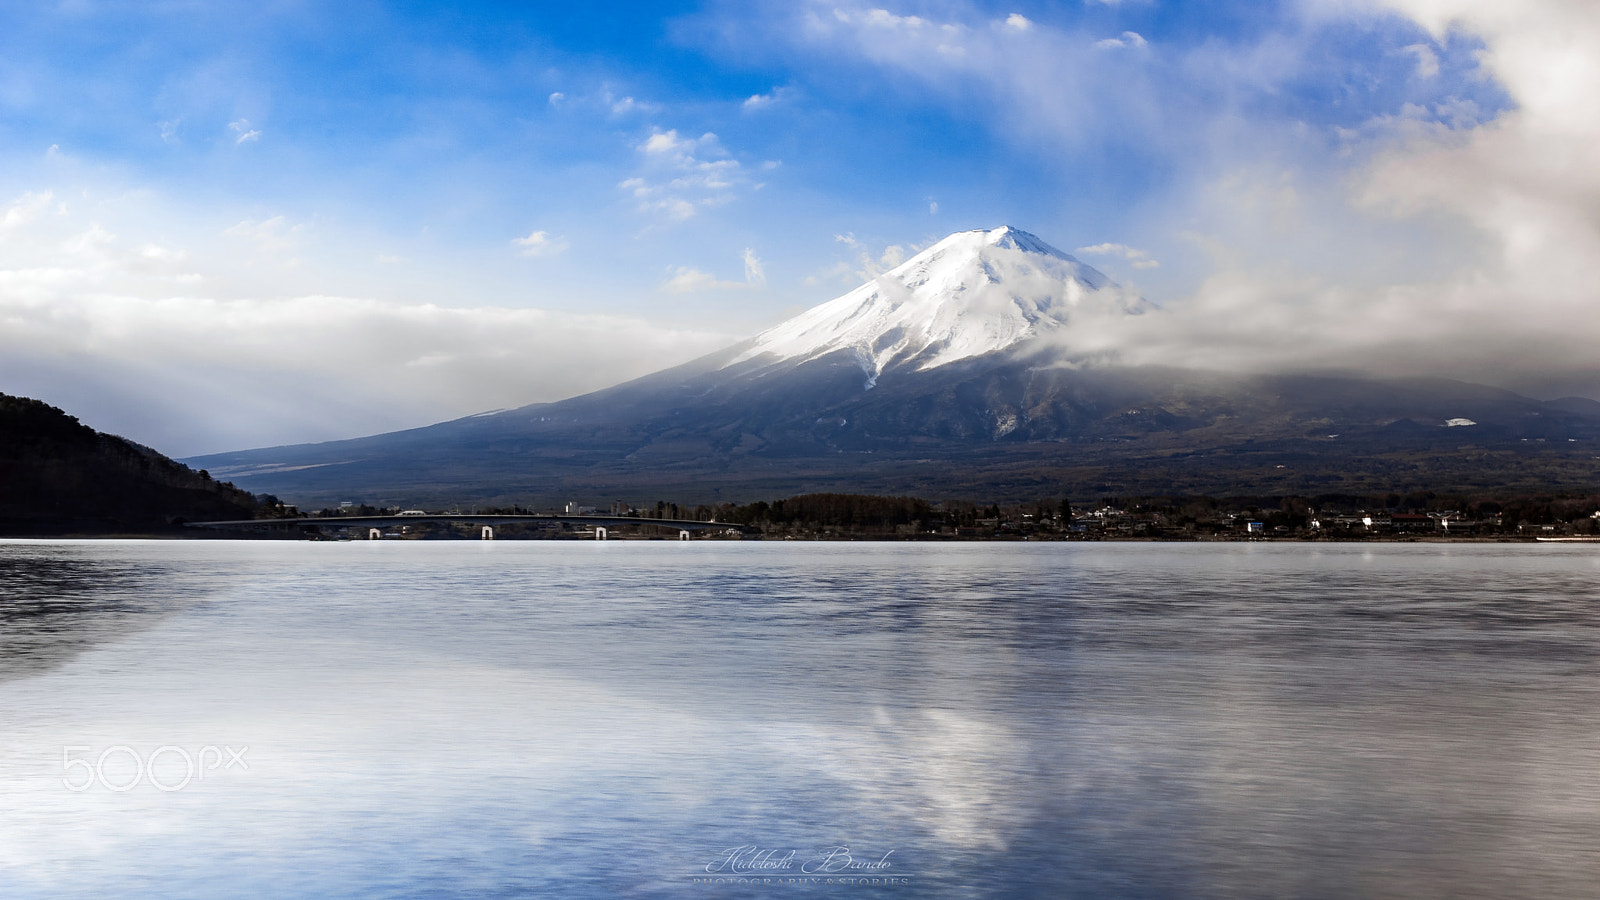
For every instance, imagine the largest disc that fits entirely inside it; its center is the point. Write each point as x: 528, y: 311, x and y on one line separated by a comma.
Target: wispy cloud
x: 1427, y: 59
x: 624, y: 105
x: 1138, y: 259
x: 273, y: 235
x: 604, y: 99
x: 757, y: 102
x: 1042, y: 82
x: 541, y: 244
x: 26, y: 208
x: 1129, y: 39
x: 689, y: 280
x: 754, y: 272
x: 867, y: 263
x: 682, y: 176
x: 243, y: 133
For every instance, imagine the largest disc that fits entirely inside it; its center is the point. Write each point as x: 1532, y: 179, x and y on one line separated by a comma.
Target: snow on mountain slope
x: 975, y: 292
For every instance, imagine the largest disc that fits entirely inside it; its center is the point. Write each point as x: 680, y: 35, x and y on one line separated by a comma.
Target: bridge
x: 601, y: 525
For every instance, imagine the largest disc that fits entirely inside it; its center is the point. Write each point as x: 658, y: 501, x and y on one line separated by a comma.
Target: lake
x: 718, y: 719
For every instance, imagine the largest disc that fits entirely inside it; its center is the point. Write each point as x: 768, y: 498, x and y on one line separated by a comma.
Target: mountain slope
x: 959, y: 373
x: 1006, y: 432
x: 58, y: 476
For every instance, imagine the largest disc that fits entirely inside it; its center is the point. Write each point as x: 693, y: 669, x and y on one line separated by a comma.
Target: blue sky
x: 384, y: 214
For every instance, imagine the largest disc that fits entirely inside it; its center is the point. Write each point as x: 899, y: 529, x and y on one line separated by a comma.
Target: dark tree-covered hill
x: 58, y: 476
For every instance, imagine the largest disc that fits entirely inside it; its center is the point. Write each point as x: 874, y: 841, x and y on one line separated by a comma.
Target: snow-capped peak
x: 973, y: 293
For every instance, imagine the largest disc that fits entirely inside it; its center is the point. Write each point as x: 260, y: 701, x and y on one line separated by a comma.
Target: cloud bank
x: 1516, y: 196
x: 1433, y: 235
x: 192, y: 375
x: 127, y: 334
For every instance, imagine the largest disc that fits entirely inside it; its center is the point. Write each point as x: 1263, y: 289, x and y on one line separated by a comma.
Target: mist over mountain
x: 978, y: 368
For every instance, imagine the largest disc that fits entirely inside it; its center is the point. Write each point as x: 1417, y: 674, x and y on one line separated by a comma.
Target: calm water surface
x: 615, y: 719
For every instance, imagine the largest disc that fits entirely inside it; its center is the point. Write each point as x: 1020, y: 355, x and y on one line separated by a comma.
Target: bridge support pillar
x: 600, y: 533
x: 683, y: 534
x: 373, y: 534
x: 488, y: 533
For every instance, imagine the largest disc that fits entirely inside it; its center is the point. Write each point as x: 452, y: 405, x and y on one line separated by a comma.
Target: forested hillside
x: 58, y: 476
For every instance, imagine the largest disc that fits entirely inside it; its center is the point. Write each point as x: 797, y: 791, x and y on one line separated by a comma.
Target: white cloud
x: 170, y: 262
x: 92, y: 244
x: 621, y: 106
x: 1495, y: 243
x: 1427, y: 59
x: 1054, y: 87
x: 683, y: 176
x: 689, y: 280
x: 1018, y: 21
x: 43, y: 249
x: 883, y: 18
x: 541, y: 244
x: 244, y: 133
x: 273, y: 236
x: 668, y: 143
x: 1129, y: 39
x: 867, y: 265
x: 754, y: 272
x: 765, y: 101
x: 948, y: 41
x: 603, y: 100
x: 25, y: 209
x: 1139, y: 259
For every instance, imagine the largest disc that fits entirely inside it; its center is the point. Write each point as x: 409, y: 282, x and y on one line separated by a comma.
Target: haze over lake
x: 623, y: 718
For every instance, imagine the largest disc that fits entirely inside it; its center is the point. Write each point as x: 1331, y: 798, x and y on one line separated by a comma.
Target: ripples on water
x: 594, y: 720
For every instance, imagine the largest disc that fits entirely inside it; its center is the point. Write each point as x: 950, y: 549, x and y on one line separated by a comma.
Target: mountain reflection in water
x: 612, y: 719
x: 57, y: 601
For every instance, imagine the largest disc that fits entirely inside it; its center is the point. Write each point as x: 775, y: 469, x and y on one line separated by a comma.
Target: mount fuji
x: 971, y: 370
x: 973, y: 294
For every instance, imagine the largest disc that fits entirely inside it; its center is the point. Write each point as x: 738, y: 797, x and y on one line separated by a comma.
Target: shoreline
x: 828, y: 539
